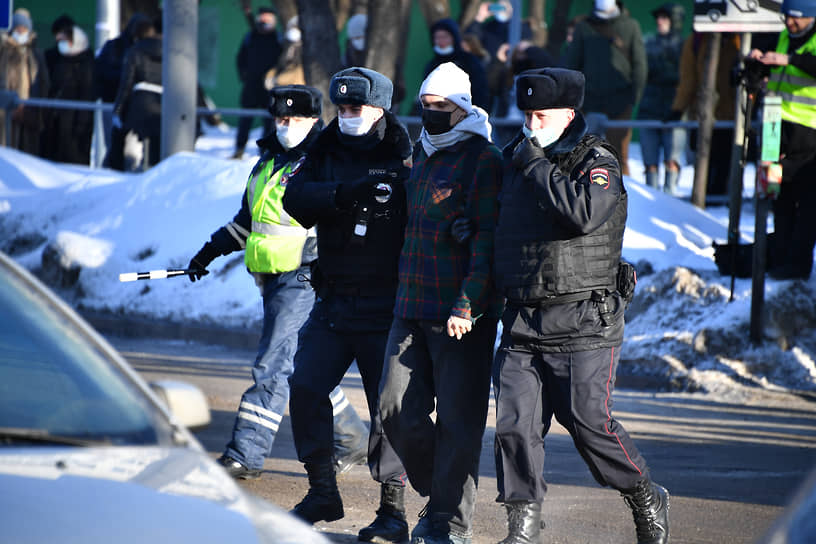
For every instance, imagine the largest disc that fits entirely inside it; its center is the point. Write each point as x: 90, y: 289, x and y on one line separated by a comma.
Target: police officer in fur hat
x: 351, y: 187
x: 557, y: 256
x: 277, y: 253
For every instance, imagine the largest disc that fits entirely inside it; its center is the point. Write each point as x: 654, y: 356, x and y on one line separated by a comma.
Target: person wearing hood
x: 557, y: 256
x: 68, y: 132
x: 608, y: 48
x: 22, y: 70
x: 277, y: 252
x: 447, y: 45
x: 663, y: 51
x: 355, y: 51
x: 352, y: 188
x: 440, y: 346
x: 107, y: 74
x: 137, y: 107
x: 259, y: 52
x: 791, y: 68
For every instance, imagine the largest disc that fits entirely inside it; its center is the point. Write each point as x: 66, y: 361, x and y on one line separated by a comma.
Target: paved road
x: 730, y: 467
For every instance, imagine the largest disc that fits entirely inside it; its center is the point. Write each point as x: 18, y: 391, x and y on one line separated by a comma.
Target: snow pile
x: 682, y: 331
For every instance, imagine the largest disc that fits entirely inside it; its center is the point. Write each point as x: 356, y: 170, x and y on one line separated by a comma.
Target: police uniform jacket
x: 358, y: 247
x: 233, y: 236
x: 558, y: 242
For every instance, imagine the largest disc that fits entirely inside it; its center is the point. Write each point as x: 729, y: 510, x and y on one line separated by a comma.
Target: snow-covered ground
x: 682, y: 329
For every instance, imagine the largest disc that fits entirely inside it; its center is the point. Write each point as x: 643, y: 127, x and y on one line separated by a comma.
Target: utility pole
x: 706, y: 119
x: 179, y: 76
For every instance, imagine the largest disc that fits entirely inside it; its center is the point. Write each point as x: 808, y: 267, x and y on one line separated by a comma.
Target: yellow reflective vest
x: 276, y: 242
x: 796, y: 87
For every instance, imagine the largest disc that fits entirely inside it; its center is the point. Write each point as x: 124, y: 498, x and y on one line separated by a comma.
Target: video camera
x: 753, y: 75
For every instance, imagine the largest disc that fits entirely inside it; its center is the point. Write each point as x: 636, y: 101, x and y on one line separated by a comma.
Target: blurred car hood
x: 132, y: 495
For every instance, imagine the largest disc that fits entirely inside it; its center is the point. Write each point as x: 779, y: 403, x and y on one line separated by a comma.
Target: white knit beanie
x: 451, y: 82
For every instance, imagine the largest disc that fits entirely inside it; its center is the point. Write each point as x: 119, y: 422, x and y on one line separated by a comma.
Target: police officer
x: 277, y: 253
x: 352, y: 187
x: 793, y: 77
x: 557, y: 251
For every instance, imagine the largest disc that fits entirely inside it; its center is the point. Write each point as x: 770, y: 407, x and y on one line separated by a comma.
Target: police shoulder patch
x: 295, y: 167
x: 600, y: 176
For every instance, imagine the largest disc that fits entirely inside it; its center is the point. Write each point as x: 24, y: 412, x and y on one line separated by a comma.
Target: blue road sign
x: 5, y: 14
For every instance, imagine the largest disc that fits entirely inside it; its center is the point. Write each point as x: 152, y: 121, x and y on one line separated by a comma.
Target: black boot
x: 650, y: 506
x: 523, y: 523
x: 390, y: 524
x: 322, y: 502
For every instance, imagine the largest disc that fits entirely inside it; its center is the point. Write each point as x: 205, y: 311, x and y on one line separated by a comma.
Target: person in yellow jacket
x: 793, y: 78
x: 278, y: 252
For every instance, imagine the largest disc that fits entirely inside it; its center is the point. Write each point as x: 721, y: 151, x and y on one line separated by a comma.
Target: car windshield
x: 57, y: 386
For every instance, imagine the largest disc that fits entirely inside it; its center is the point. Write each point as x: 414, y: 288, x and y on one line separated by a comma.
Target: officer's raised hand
x: 198, y: 264
x: 525, y: 153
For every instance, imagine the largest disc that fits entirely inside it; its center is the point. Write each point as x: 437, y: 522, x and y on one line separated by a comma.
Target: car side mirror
x: 185, y: 401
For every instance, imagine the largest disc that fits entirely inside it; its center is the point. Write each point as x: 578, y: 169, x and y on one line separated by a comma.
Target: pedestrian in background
x: 351, y: 187
x: 107, y: 74
x: 277, y: 252
x: 137, y: 108
x: 558, y: 247
x: 793, y: 77
x: 608, y: 48
x: 686, y: 103
x: 440, y: 346
x: 447, y: 45
x: 68, y: 132
x: 259, y: 52
x: 24, y: 72
x: 663, y: 51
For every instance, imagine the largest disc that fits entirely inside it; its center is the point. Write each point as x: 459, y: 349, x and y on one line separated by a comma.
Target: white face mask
x: 443, y: 51
x: 291, y: 135
x: 20, y: 37
x: 542, y: 137
x: 64, y: 47
x: 354, y: 126
x: 503, y: 16
x: 358, y: 43
x: 293, y: 35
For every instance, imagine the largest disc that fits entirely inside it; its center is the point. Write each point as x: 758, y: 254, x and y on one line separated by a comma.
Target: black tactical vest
x: 537, y: 257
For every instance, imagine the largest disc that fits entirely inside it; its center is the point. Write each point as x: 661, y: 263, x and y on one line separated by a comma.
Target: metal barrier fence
x: 9, y: 101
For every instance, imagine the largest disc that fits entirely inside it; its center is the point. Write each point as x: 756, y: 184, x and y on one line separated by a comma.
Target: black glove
x: 525, y: 153
x: 461, y: 229
x: 199, y: 263
x: 356, y: 190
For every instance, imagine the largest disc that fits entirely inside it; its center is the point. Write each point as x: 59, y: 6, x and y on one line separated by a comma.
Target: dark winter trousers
x: 426, y: 369
x: 531, y: 387
x: 794, y: 217
x: 286, y: 304
x: 324, y: 355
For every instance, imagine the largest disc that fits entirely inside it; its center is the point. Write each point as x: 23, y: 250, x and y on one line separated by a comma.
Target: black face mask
x: 436, y: 122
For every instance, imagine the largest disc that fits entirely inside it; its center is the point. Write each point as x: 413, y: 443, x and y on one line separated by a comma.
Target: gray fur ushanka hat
x: 546, y: 88
x: 361, y: 86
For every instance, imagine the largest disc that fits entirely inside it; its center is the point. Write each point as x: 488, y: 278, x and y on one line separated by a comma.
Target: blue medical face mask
x: 542, y: 137
x: 443, y: 51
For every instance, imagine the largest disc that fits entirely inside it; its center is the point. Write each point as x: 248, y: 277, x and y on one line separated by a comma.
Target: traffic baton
x: 161, y: 274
